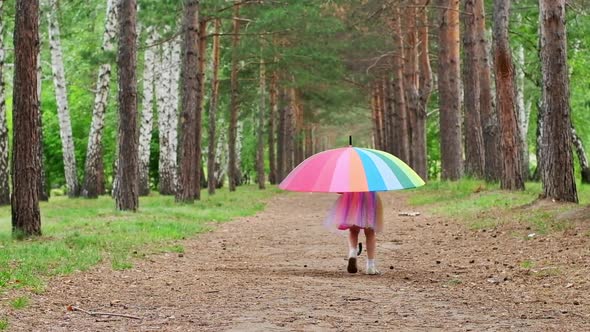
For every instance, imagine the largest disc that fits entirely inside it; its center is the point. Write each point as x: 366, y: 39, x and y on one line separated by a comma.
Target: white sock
x: 370, y: 263
x: 352, y: 253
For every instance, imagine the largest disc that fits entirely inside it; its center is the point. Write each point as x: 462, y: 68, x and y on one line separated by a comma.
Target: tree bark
x: 511, y: 177
x: 94, y: 160
x: 489, y: 119
x: 419, y: 151
x: 411, y: 78
x: 235, y: 106
x: 43, y: 183
x: 61, y: 94
x: 26, y: 219
x: 202, y: 46
x: 401, y: 132
x: 190, y: 80
x: 281, y: 144
x: 4, y: 161
x: 524, y: 111
x: 557, y: 172
x: 261, y: 111
x: 127, y: 193
x: 474, y: 149
x: 213, y: 102
x: 147, y: 115
x: 449, y: 90
x: 272, y: 176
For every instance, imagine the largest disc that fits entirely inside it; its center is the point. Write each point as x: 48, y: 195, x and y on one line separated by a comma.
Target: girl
x: 354, y: 211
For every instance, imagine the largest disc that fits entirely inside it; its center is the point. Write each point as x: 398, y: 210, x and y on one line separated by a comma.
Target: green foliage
x: 80, y: 233
x: 3, y: 324
x: 485, y: 206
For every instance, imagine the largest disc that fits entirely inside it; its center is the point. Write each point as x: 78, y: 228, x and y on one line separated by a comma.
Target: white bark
x: 167, y: 104
x: 4, y: 163
x: 221, y: 153
x: 523, y: 111
x: 147, y: 115
x: 93, y: 157
x: 43, y: 192
x: 61, y: 95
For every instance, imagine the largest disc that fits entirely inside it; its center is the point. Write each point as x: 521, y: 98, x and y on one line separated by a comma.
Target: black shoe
x: 352, y: 265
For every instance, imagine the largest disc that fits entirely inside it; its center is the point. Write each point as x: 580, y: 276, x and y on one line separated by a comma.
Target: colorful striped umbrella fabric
x: 351, y: 169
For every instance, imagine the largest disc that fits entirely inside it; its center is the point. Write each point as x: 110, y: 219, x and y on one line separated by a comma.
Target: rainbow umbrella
x: 351, y: 169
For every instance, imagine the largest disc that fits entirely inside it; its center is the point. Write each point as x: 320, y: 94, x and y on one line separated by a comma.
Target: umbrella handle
x: 360, y: 249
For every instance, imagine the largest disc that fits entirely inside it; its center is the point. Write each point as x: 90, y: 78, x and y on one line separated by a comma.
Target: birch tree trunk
x: 449, y: 90
x: 474, y: 149
x: 166, y: 120
x: 127, y: 194
x: 261, y: 111
x: 202, y: 45
x: 26, y: 218
x: 4, y: 161
x: 213, y: 102
x: 147, y: 115
x: 581, y: 152
x: 94, y: 151
x: 234, y: 107
x: 511, y: 177
x: 420, y: 155
x: 524, y: 110
x: 190, y: 79
x: 61, y: 94
x: 221, y: 154
x: 43, y: 187
x: 557, y: 172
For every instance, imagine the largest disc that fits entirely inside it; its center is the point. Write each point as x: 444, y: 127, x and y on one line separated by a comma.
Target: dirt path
x: 282, y: 271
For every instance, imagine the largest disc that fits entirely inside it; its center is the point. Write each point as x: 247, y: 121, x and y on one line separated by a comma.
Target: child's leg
x: 371, y: 239
x: 371, y: 242
x: 353, y: 240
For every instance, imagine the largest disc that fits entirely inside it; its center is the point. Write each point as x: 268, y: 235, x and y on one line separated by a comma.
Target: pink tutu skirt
x: 356, y: 209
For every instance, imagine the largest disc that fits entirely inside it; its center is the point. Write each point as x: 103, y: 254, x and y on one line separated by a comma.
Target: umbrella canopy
x: 351, y: 170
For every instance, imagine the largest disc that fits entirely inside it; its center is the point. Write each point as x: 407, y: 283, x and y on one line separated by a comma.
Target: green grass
x: 80, y: 233
x: 528, y: 264
x: 3, y: 324
x: 482, y: 206
x: 19, y: 302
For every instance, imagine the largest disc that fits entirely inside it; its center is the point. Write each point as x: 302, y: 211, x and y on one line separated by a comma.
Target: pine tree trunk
x: 511, y: 177
x: 401, y: 132
x: 262, y: 110
x: 190, y: 79
x: 213, y: 101
x: 127, y: 193
x: 581, y: 152
x: 419, y: 151
x: 281, y: 144
x: 389, y: 124
x: 61, y: 94
x: 234, y: 107
x: 147, y: 115
x: 94, y: 160
x: 26, y: 219
x: 474, y: 149
x: 272, y: 176
x: 557, y: 173
x: 489, y: 119
x: 449, y: 90
x: 4, y: 161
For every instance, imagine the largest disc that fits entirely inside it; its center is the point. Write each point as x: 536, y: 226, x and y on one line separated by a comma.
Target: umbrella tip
x: 350, y: 140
